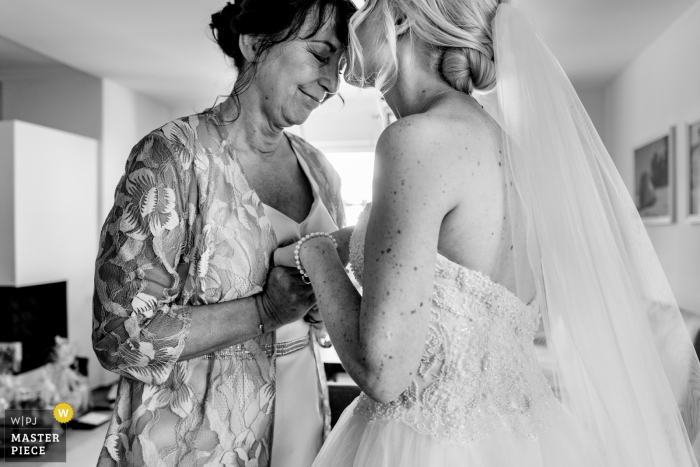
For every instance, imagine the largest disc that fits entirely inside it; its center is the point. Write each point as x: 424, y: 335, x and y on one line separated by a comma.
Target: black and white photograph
x: 653, y: 180
x: 350, y: 233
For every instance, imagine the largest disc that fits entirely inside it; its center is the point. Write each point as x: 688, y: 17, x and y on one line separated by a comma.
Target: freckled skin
x: 408, y: 225
x: 438, y: 186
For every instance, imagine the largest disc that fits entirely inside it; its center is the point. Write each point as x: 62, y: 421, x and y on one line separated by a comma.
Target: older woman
x: 215, y: 360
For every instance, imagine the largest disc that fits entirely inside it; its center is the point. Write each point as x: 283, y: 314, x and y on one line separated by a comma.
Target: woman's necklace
x: 434, y: 97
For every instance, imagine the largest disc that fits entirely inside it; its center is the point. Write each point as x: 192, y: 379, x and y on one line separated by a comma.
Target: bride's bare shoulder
x: 462, y: 140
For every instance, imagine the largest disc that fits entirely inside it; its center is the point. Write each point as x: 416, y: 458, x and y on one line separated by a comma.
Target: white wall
x: 55, y: 213
x: 7, y: 206
x: 61, y: 97
x: 126, y: 118
x: 660, y: 89
x: 55, y: 96
x: 593, y: 100
x: 66, y: 99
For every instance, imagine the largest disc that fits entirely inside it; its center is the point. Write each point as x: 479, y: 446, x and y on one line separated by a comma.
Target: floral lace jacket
x: 187, y: 229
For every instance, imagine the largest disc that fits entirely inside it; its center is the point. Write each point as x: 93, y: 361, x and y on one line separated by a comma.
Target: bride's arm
x: 380, y: 336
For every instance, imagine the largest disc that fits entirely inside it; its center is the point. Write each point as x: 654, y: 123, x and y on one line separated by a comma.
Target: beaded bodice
x: 478, y: 373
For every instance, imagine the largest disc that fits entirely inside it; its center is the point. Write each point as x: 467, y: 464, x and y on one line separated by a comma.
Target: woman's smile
x: 310, y: 96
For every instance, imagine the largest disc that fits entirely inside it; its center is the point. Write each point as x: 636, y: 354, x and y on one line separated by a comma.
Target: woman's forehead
x: 325, y: 34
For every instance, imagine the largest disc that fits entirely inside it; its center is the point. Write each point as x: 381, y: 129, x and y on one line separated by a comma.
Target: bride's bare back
x: 449, y: 161
x: 438, y: 187
x: 475, y: 233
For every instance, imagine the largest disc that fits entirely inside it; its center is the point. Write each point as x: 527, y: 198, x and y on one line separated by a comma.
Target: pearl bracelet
x: 304, y: 276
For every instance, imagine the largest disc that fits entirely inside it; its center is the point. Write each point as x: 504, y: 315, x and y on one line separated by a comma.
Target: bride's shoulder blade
x: 439, y: 147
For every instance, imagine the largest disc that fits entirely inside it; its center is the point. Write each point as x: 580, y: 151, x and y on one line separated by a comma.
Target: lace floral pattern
x: 478, y: 373
x: 187, y: 229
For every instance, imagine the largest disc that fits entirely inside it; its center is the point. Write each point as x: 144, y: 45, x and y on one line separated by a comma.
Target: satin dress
x: 298, y: 428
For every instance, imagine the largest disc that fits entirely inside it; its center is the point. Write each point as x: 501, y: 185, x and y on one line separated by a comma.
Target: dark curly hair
x: 273, y: 22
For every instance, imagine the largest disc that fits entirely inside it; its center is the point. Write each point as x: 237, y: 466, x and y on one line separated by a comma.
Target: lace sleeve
x: 138, y: 331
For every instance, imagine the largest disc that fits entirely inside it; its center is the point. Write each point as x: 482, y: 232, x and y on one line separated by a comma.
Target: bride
x: 484, y: 224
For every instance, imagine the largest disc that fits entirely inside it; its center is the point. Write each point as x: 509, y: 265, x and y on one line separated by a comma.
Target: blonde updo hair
x: 457, y: 31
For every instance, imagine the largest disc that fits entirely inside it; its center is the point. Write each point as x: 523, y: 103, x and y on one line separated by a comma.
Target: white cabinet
x: 48, y: 204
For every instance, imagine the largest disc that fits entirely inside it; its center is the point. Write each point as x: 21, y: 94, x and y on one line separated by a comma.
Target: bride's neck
x: 417, y: 82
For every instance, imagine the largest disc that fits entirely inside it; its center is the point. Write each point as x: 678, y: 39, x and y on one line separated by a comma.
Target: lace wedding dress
x: 478, y: 398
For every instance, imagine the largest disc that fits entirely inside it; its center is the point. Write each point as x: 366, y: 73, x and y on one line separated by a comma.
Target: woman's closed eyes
x: 322, y: 58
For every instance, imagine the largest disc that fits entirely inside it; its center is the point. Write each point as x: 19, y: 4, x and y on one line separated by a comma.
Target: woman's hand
x: 285, y: 298
x: 284, y: 256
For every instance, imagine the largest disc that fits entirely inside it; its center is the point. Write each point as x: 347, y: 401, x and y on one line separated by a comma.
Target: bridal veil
x: 624, y: 362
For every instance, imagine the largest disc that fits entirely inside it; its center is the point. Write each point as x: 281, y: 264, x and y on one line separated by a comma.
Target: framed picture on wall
x: 654, y: 185
x: 694, y: 171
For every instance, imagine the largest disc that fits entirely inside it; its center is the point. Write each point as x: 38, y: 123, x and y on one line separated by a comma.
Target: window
x: 355, y: 170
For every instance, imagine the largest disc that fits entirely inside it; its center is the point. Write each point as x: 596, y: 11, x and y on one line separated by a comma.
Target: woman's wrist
x: 313, y: 249
x: 318, y: 241
x: 268, y: 318
x: 265, y: 325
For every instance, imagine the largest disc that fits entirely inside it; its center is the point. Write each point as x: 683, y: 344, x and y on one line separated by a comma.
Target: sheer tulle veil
x: 624, y: 362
